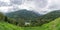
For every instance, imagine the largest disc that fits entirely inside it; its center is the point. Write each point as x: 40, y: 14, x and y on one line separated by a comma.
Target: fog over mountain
x: 40, y: 6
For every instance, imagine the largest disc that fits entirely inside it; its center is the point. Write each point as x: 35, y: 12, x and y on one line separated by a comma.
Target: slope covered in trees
x: 23, y: 14
x: 53, y: 25
x: 6, y: 24
x: 35, y: 20
x: 48, y: 17
x: 49, y: 21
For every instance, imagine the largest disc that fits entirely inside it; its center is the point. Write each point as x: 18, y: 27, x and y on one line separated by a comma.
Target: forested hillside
x: 53, y: 25
x: 34, y: 19
x: 23, y: 14
x: 5, y: 24
x: 48, y: 17
x: 49, y: 21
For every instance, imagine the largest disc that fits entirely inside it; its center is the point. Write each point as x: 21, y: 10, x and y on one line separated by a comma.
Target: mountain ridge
x: 24, y: 14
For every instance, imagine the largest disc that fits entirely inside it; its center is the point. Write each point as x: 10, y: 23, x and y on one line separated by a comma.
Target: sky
x: 40, y: 6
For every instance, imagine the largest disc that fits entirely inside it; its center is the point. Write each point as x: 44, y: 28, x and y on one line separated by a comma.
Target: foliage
x: 54, y: 25
x: 23, y: 16
x: 47, y: 17
x: 7, y: 26
x: 20, y: 17
x: 1, y: 16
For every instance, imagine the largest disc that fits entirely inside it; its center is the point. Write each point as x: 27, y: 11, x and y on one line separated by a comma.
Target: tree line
x: 33, y: 21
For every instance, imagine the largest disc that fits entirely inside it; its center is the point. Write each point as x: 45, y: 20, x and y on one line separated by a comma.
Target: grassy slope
x: 7, y: 26
x: 54, y: 25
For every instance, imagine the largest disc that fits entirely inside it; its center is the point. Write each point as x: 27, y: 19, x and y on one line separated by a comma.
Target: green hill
x: 7, y: 26
x: 51, y: 15
x: 54, y: 25
x: 33, y: 18
x: 23, y: 14
x: 48, y: 17
x: 4, y: 25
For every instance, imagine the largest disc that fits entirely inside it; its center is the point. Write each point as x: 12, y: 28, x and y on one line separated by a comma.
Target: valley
x: 27, y: 20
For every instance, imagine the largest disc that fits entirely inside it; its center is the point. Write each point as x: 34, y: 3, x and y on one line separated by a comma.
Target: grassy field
x: 7, y: 26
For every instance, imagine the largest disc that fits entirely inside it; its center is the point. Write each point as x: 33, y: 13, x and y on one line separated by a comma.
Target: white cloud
x: 40, y: 6
x: 34, y: 5
x: 5, y: 8
x: 55, y: 4
x: 5, y: 0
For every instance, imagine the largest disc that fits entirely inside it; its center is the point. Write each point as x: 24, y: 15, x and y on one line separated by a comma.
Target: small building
x: 27, y: 23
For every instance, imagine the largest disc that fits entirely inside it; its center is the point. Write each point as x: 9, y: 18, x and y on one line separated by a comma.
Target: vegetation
x: 34, y: 19
x: 54, y: 25
x: 6, y: 23
x: 46, y: 18
x: 48, y: 21
x: 7, y: 26
x: 23, y: 16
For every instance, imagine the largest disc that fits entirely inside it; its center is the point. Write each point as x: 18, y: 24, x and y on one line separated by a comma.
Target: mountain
x: 48, y: 17
x: 34, y: 18
x: 23, y: 14
x: 51, y: 16
x: 53, y: 19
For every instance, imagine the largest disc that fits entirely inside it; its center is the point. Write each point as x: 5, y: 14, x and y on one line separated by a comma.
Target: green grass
x: 7, y: 26
x: 54, y: 25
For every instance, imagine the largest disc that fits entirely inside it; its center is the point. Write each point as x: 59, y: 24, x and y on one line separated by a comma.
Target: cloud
x: 4, y: 2
x: 55, y: 4
x: 40, y: 6
x: 35, y: 5
x: 18, y: 2
x: 5, y: 8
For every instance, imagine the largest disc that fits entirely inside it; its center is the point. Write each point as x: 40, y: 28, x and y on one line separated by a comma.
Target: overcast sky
x: 41, y: 6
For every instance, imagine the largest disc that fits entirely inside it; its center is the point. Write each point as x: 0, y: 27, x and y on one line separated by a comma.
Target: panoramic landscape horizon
x: 29, y: 14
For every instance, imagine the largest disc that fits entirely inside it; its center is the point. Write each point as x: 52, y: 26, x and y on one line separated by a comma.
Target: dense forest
x: 13, y: 18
